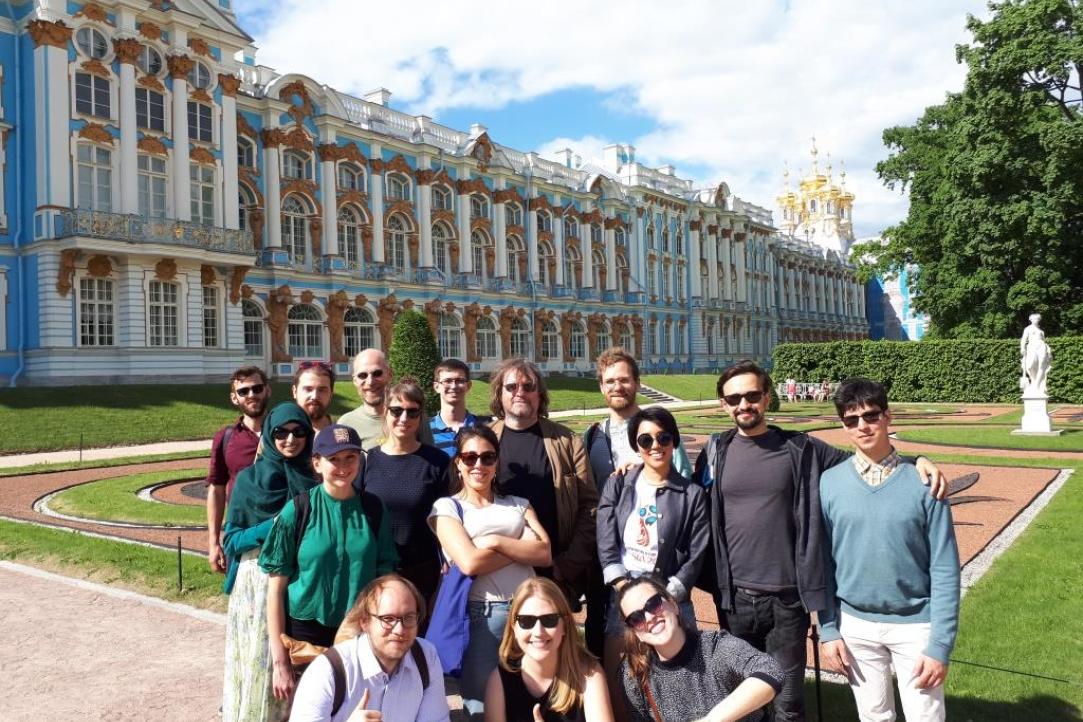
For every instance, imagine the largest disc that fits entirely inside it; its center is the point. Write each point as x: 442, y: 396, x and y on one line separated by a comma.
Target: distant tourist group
x: 376, y: 561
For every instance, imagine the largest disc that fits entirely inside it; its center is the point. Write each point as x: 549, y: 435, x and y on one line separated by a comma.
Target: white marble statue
x: 1036, y: 358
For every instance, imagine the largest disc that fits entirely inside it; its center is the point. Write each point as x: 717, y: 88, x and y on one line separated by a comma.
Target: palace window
x: 296, y: 165
x: 513, y: 214
x: 551, y: 341
x: 246, y: 153
x: 520, y: 338
x: 210, y: 317
x: 151, y: 184
x: 149, y: 109
x: 597, y: 264
x: 679, y: 243
x: 450, y: 334
x: 545, y: 221
x: 441, y: 246
x: 595, y: 233
x: 571, y: 228
x: 665, y: 281
x: 96, y: 312
x: 350, y: 177
x: 650, y: 236
x: 665, y: 240
x: 199, y: 122
x: 442, y: 198
x: 92, y: 95
x: 150, y: 61
x: 359, y: 331
x: 163, y: 313
x: 349, y: 235
x: 305, y: 331
x: 245, y: 205
x: 253, y: 328
x: 486, y: 337
x: 199, y: 76
x: 651, y: 279
x: 398, y: 187
x: 545, y: 257
x: 680, y: 283
x: 95, y: 171
x: 573, y: 267
x: 202, y: 181
x: 578, y: 345
x: 622, y: 274
x: 517, y: 270
x: 601, y: 341
x: 479, y: 206
x: 663, y: 342
x: 627, y: 340
x: 295, y: 214
x: 478, y: 243
x: 652, y: 338
x: 621, y: 238
x: 395, y: 251
x: 91, y: 43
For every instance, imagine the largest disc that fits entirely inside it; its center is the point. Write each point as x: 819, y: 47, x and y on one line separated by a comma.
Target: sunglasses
x: 254, y: 389
x: 471, y: 458
x: 646, y: 441
x: 527, y: 621
x: 870, y: 417
x: 752, y: 397
x: 525, y: 387
x: 363, y: 375
x: 284, y: 432
x: 411, y: 413
x: 637, y: 620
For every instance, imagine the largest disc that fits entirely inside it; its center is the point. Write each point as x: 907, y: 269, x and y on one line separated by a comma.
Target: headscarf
x: 264, y: 488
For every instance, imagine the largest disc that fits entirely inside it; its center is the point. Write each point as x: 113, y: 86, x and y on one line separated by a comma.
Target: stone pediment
x: 212, y: 16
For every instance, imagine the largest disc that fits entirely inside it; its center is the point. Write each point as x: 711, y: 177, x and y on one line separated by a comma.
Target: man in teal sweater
x: 894, y: 569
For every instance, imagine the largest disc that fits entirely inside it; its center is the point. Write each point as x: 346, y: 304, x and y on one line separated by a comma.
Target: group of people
x: 336, y: 537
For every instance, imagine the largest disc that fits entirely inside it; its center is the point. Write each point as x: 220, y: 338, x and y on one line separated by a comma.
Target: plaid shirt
x: 875, y: 473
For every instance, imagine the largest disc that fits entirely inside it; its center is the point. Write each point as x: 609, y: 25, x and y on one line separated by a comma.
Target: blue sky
x: 724, y: 90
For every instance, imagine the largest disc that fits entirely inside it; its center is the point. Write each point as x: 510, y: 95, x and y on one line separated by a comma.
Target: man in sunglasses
x: 233, y: 449
x: 371, y: 374
x: 905, y: 615
x: 767, y: 537
x: 545, y: 463
x: 451, y: 381
x: 313, y: 388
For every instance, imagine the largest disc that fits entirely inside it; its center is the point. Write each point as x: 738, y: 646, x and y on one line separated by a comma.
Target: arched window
x: 349, y: 236
x: 91, y: 43
x: 253, y: 328
x: 551, y: 341
x: 442, y: 198
x: 627, y: 340
x: 680, y: 243
x: 441, y: 247
x: 450, y: 335
x: 622, y: 274
x: 665, y: 240
x: 652, y: 283
x: 517, y: 270
x: 578, y: 341
x: 246, y: 202
x: 650, y: 236
x: 545, y: 257
x: 602, y: 340
x: 199, y: 76
x: 680, y: 283
x: 479, y: 206
x: 246, y: 153
x: 295, y: 213
x: 520, y: 338
x: 478, y: 243
x: 620, y: 237
x: 150, y: 61
x: 305, y: 331
x: 663, y: 341
x: 596, y: 233
x: 513, y: 214
x: 710, y: 340
x: 665, y: 290
x: 359, y: 331
x: 598, y: 263
x: 398, y: 187
x: 652, y: 338
x: 350, y: 178
x: 486, y: 337
x: 545, y: 221
x: 571, y: 227
x: 395, y: 251
x: 297, y: 165
x: 573, y: 267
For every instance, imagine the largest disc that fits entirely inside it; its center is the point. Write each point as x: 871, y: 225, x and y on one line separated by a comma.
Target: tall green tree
x: 995, y: 180
x: 414, y: 353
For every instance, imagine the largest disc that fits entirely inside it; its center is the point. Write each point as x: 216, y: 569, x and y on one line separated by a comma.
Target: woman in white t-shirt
x: 494, y: 538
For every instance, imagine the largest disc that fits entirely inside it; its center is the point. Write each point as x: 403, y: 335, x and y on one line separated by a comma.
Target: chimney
x: 564, y: 157
x: 380, y: 96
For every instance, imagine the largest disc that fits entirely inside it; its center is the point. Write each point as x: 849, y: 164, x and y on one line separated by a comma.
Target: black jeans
x: 775, y: 623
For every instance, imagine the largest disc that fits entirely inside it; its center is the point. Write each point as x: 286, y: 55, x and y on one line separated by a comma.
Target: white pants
x: 877, y: 647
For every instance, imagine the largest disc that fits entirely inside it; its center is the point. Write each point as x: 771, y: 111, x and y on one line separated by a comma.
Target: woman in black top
x: 408, y: 477
x: 545, y: 673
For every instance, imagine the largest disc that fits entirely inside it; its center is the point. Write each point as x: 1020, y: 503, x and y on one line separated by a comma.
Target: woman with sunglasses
x: 545, y: 672
x: 408, y: 476
x: 672, y: 671
x: 494, y: 538
x: 651, y: 520
x: 282, y: 470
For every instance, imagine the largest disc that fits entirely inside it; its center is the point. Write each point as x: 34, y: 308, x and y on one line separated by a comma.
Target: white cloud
x: 736, y: 88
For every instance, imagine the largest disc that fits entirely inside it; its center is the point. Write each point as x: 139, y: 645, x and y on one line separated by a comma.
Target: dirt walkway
x: 79, y: 653
x: 839, y: 438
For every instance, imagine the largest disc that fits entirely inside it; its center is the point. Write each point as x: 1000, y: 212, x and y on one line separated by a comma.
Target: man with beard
x: 313, y: 388
x: 371, y: 374
x: 608, y: 449
x: 768, y: 540
x: 233, y: 449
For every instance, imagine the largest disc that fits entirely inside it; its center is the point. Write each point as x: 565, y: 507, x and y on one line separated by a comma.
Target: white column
x: 587, y: 252
x: 639, y: 251
x: 500, y: 239
x: 376, y: 199
x: 742, y: 277
x: 329, y: 202
x: 694, y: 261
x: 610, y: 236
x: 558, y: 241
x: 129, y: 187
x: 53, y: 150
x: 727, y: 260
x: 272, y: 193
x: 232, y: 218
x: 179, y: 66
x: 424, y: 210
x: 712, y: 266
x: 466, y: 255
x: 860, y: 290
x: 532, y: 242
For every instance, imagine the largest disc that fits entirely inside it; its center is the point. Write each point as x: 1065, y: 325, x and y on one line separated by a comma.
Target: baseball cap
x: 336, y: 438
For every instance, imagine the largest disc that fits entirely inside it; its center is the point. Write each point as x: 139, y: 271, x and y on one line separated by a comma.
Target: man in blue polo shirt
x: 451, y: 380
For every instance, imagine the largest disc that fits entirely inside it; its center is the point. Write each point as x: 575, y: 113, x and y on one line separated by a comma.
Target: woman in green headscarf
x: 282, y: 470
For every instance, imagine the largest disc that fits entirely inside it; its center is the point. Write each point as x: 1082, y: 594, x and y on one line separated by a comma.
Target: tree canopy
x: 995, y: 180
x: 414, y: 353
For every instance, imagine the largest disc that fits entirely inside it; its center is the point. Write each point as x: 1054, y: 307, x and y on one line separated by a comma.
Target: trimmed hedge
x: 974, y: 371
x: 414, y: 353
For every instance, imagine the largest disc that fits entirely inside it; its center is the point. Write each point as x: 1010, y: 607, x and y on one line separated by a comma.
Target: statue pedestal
x: 1035, y: 417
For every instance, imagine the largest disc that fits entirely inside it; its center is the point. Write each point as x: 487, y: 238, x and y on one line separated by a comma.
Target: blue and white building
x: 891, y: 308
x: 170, y: 209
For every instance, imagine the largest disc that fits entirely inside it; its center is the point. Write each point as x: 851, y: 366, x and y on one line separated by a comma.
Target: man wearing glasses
x: 546, y: 464
x: 382, y: 671
x: 451, y: 380
x: 313, y: 388
x: 767, y: 537
x: 371, y: 374
x: 233, y: 449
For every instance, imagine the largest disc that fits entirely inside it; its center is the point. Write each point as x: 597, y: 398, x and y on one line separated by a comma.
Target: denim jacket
x: 683, y: 532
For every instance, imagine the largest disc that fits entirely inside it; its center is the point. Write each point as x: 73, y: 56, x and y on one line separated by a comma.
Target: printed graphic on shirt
x: 641, y: 531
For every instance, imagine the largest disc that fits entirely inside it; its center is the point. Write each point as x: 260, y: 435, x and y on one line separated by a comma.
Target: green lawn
x: 116, y: 499
x: 995, y: 437
x: 99, y: 463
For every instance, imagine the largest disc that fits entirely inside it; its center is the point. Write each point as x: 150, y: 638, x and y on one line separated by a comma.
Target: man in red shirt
x: 233, y: 449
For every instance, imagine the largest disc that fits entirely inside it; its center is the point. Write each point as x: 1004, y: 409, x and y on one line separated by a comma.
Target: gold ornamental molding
x: 507, y: 195
x: 96, y: 133
x: 150, y: 31
x: 272, y: 137
x: 180, y: 66
x: 278, y: 306
x: 236, y: 284
x: 199, y: 46
x: 95, y: 12
x: 43, y: 32
x: 202, y: 155
x: 207, y: 276
x: 65, y: 272
x: 165, y: 269
x: 95, y: 67
x: 244, y: 128
x: 474, y: 185
x: 153, y: 145
x: 149, y: 81
x: 229, y: 84
x: 127, y: 50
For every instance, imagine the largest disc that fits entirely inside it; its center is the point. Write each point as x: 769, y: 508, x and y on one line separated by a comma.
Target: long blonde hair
x: 574, y: 662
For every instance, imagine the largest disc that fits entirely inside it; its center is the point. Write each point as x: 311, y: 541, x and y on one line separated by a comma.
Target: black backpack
x: 338, y: 672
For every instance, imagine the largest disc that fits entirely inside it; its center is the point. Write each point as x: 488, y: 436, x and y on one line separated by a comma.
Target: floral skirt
x: 247, y: 695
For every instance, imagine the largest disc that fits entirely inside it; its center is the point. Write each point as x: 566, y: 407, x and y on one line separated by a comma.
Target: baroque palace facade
x: 171, y: 210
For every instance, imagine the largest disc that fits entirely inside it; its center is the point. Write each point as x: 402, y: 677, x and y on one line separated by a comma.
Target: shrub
x: 970, y: 371
x: 414, y: 353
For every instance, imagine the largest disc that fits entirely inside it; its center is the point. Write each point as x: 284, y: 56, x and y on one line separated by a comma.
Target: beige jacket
x: 575, y: 551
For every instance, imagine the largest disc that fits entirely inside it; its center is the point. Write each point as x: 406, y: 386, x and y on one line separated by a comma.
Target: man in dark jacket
x: 767, y: 536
